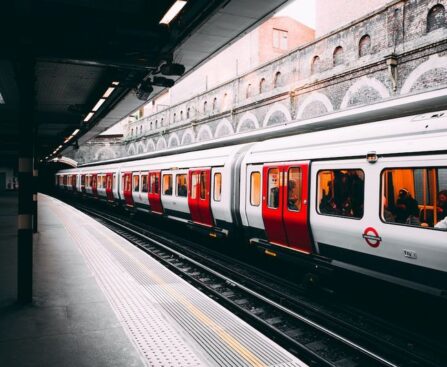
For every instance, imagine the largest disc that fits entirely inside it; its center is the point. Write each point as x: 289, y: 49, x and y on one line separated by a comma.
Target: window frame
x: 300, y: 192
x: 214, y: 187
x: 144, y: 175
x: 176, y: 184
x: 163, y: 190
x: 317, y: 199
x: 251, y: 188
x: 133, y: 182
x: 268, y: 188
x: 381, y: 193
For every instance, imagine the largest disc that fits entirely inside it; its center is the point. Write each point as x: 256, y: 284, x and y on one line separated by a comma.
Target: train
x: 369, y: 198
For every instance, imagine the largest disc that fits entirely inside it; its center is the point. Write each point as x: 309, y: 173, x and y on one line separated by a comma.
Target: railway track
x: 308, y: 330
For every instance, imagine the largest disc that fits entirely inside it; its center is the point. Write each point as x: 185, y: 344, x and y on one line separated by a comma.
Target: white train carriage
x: 338, y: 195
x: 191, y: 187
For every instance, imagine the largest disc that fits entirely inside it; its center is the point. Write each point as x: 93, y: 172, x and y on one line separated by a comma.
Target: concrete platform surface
x: 100, y: 301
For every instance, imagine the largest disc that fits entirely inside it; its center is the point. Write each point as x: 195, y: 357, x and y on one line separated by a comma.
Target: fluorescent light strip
x: 75, y: 132
x: 2, y: 101
x: 89, y: 116
x: 67, y: 140
x: 98, y: 104
x: 108, y: 92
x: 115, y: 83
x: 173, y: 12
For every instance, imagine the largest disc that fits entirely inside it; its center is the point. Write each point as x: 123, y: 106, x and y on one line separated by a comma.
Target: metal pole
x: 25, y: 81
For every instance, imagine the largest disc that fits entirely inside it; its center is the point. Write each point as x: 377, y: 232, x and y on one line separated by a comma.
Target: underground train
x: 369, y: 198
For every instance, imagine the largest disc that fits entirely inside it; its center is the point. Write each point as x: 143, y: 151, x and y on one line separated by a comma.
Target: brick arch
x: 434, y: 62
x: 161, y: 143
x: 173, y: 141
x: 188, y: 134
x: 140, y: 148
x: 275, y: 109
x: 131, y: 149
x: 204, y: 133
x: 247, y: 120
x: 104, y: 153
x: 314, y: 97
x: 364, y: 82
x: 150, y: 146
x: 223, y: 129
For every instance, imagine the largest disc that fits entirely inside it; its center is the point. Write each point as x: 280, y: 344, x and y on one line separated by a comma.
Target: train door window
x: 415, y: 196
x: 114, y: 181
x: 108, y: 182
x: 94, y: 181
x: 294, y: 189
x: 273, y: 188
x: 182, y: 186
x: 217, y: 186
x: 255, y: 188
x: 194, y: 184
x: 167, y: 184
x: 127, y: 183
x: 82, y: 180
x: 154, y: 184
x: 202, y: 185
x: 341, y: 192
x: 144, y: 185
x: 136, y: 183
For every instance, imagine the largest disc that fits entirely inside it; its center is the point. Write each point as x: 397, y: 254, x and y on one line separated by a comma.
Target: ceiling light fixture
x: 173, y: 12
x: 75, y: 132
x: 98, y: 104
x: 108, y: 92
x: 89, y: 116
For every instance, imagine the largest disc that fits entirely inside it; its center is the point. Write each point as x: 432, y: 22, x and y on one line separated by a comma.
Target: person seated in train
x: 342, y: 188
x: 357, y: 193
x: 407, y: 209
x: 442, y: 204
x: 274, y: 197
x: 327, y: 203
x: 137, y: 188
x: 442, y: 224
x: 168, y: 191
x: 387, y: 215
x: 346, y: 208
x: 144, y: 186
x: 292, y: 196
x: 182, y: 190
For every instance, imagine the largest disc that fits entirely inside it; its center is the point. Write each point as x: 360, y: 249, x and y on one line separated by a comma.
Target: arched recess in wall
x: 435, y: 64
x: 140, y: 148
x: 188, y: 137
x: 277, y: 114
x: 150, y: 146
x: 204, y: 133
x: 223, y: 129
x: 131, y: 149
x: 104, y: 153
x: 173, y: 141
x: 161, y: 143
x: 436, y: 18
x: 247, y: 122
x: 315, y: 104
x: 364, y: 91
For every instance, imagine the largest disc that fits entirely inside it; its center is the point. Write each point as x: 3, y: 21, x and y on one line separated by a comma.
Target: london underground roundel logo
x: 372, y: 237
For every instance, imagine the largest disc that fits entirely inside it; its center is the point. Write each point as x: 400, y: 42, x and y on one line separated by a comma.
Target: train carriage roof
x: 403, y: 135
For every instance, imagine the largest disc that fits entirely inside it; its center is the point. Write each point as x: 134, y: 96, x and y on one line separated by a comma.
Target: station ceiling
x: 81, y: 48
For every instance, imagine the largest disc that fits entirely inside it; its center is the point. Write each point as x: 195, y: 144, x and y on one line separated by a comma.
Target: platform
x: 100, y: 301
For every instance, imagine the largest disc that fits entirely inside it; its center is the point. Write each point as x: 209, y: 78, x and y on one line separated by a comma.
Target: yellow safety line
x: 197, y: 313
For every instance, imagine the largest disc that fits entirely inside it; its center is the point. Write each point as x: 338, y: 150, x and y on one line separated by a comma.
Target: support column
x: 25, y: 81
x: 35, y: 189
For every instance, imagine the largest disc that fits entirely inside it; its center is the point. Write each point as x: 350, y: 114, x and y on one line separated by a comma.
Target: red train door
x: 154, y: 192
x: 95, y: 184
x: 285, y: 205
x: 109, y: 186
x: 199, y: 196
x: 74, y: 178
x: 127, y: 188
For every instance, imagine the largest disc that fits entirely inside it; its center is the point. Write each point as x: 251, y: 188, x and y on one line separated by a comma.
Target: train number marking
x: 410, y: 254
x: 372, y: 237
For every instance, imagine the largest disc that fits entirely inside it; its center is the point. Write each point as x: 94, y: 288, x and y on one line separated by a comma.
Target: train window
x: 194, y: 184
x: 294, y: 189
x: 415, y: 196
x: 217, y: 186
x: 273, y: 188
x: 341, y: 192
x: 104, y: 182
x: 144, y: 185
x: 82, y: 180
x: 202, y: 185
x: 182, y: 186
x: 109, y: 182
x: 155, y: 184
x: 114, y: 181
x: 127, y: 183
x: 136, y: 183
x: 94, y: 181
x: 255, y: 188
x: 167, y: 184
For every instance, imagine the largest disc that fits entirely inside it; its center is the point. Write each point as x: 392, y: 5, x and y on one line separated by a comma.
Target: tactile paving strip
x: 171, y: 322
